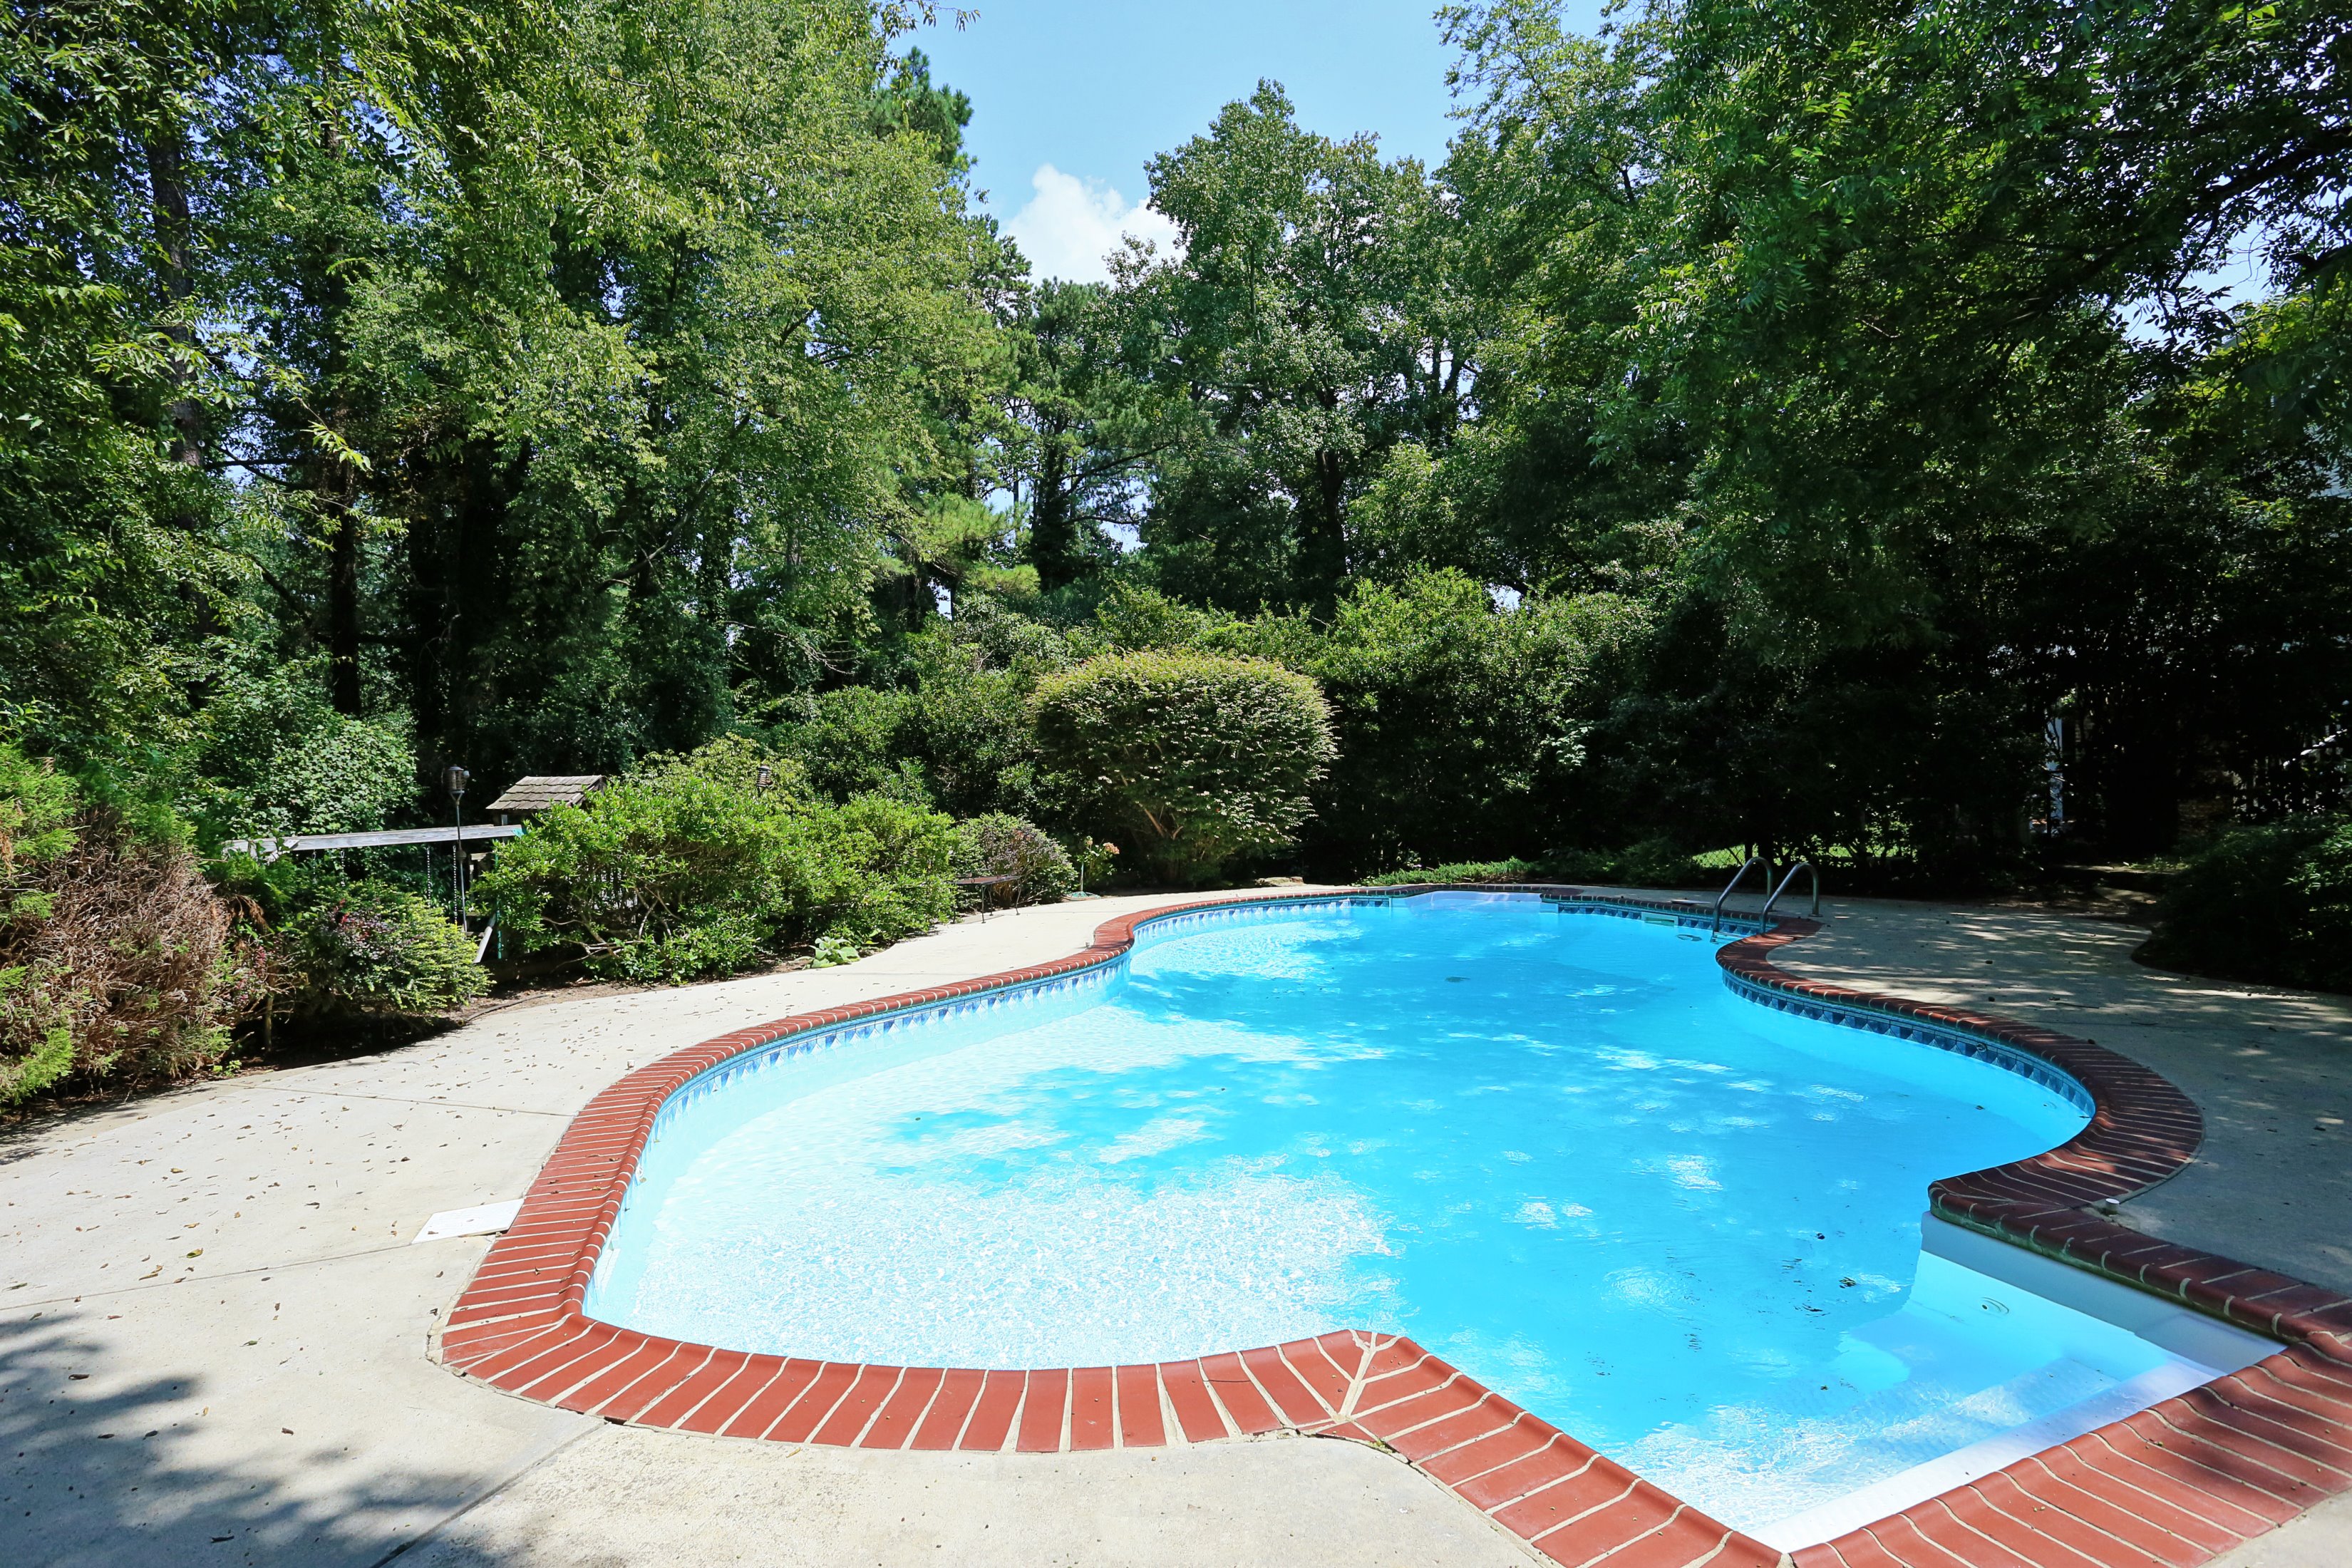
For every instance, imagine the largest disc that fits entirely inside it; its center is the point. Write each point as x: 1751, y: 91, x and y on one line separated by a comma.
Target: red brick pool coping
x: 2174, y: 1485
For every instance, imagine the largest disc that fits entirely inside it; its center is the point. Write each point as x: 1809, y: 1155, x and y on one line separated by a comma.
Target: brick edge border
x: 518, y: 1327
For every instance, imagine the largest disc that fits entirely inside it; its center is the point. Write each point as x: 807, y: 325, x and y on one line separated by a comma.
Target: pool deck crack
x: 411, y: 1100
x: 545, y: 1452
x: 46, y: 1302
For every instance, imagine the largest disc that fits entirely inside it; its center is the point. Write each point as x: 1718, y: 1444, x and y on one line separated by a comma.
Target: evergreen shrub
x: 1653, y: 863
x: 1512, y: 871
x: 961, y: 740
x: 2269, y: 904
x: 1197, y: 760
x: 688, y: 867
x: 374, y: 950
x: 999, y: 844
x: 269, y: 755
x: 1460, y: 725
x: 850, y: 739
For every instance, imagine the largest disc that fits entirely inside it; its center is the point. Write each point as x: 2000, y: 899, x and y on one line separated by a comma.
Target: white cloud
x: 1071, y: 224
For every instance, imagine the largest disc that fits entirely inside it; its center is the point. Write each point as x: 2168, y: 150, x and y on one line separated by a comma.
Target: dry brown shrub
x: 135, y: 960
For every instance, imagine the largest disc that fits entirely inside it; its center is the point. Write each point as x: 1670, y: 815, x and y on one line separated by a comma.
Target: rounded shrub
x: 1197, y: 760
x: 999, y: 844
x: 2270, y: 903
x: 690, y: 868
x: 373, y: 950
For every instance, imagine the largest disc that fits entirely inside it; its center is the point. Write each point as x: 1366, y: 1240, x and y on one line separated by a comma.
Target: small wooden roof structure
x: 540, y: 791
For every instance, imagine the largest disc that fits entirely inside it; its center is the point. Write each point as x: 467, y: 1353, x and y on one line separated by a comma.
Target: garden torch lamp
x: 458, y: 778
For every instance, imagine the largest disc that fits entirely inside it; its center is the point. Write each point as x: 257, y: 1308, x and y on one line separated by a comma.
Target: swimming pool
x: 1546, y: 1141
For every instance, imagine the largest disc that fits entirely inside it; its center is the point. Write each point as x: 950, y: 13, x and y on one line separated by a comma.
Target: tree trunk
x: 1053, y: 531
x: 331, y: 476
x: 1323, y: 543
x: 167, y: 192
x: 343, y: 610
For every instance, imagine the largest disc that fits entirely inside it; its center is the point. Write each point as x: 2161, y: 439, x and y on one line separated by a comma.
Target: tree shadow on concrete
x: 96, y: 1473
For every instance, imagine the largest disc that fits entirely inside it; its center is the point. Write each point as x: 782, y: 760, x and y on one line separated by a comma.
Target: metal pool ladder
x: 1752, y: 860
x: 1773, y: 896
x: 1806, y: 866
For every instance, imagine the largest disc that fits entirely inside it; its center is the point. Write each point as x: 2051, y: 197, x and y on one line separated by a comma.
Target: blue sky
x: 1070, y: 97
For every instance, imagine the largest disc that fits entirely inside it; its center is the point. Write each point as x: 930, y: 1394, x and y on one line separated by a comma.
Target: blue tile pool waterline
x: 1554, y: 1149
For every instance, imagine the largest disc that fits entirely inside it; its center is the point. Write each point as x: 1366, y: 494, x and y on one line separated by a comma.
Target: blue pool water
x: 1552, y: 1146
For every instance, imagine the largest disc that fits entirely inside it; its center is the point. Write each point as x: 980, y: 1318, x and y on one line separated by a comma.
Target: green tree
x: 111, y: 550
x: 1829, y: 329
x: 660, y: 455
x: 908, y: 104
x: 1460, y: 725
x: 1089, y: 427
x: 1294, y: 325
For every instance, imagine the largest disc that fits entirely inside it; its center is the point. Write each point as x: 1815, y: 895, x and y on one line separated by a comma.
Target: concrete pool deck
x: 213, y: 1329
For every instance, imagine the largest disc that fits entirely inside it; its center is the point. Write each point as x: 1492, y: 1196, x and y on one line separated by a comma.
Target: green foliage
x: 1890, y: 755
x: 333, y: 330
x: 1094, y: 859
x: 961, y: 740
x: 1762, y: 425
x: 1087, y: 429
x: 1138, y: 618
x: 2266, y: 904
x: 883, y: 869
x: 1871, y: 352
x: 998, y: 844
x: 1199, y: 761
x: 110, y: 558
x: 687, y: 869
x: 1295, y: 322
x: 372, y: 950
x: 971, y: 732
x: 853, y: 739
x: 118, y: 961
x: 1511, y: 870
x: 604, y: 572
x: 38, y: 806
x: 833, y: 951
x: 1653, y: 863
x: 1460, y: 725
x: 908, y: 104
x: 268, y: 754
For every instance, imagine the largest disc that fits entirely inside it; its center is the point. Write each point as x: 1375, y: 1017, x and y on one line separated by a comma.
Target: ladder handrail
x: 1794, y: 867
x: 1736, y: 876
